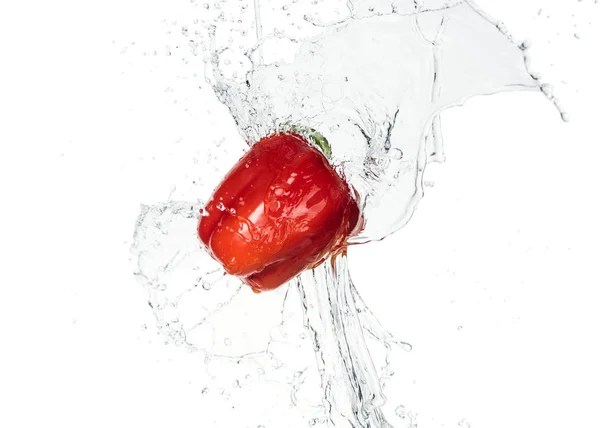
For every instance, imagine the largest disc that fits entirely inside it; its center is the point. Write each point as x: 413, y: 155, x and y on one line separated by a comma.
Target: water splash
x: 374, y: 77
x: 374, y: 83
x: 194, y: 303
x: 178, y: 274
x: 352, y: 389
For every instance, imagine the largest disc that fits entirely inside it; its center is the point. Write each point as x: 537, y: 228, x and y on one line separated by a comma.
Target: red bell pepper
x: 280, y: 210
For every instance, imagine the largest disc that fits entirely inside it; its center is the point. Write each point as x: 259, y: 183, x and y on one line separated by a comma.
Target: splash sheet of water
x: 373, y: 77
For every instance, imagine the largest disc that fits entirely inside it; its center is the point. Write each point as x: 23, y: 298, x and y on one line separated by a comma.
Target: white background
x: 494, y: 281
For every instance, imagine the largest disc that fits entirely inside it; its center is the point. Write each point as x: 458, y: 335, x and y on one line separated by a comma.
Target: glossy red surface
x: 281, y: 209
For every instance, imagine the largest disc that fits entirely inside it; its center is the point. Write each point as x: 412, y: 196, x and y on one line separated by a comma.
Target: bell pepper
x: 280, y: 210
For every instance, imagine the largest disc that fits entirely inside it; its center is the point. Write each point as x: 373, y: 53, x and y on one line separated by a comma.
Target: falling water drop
x: 463, y: 423
x: 401, y: 412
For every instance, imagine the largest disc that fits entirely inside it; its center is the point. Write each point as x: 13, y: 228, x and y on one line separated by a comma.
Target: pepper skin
x: 280, y: 210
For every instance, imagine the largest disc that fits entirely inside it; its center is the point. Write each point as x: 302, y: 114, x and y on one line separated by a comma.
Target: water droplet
x: 547, y: 89
x: 460, y: 327
x: 227, y: 341
x: 401, y: 412
x: 412, y: 420
x: 463, y: 423
x: 526, y: 45
x: 205, y: 391
x: 220, y: 206
x: 395, y: 153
